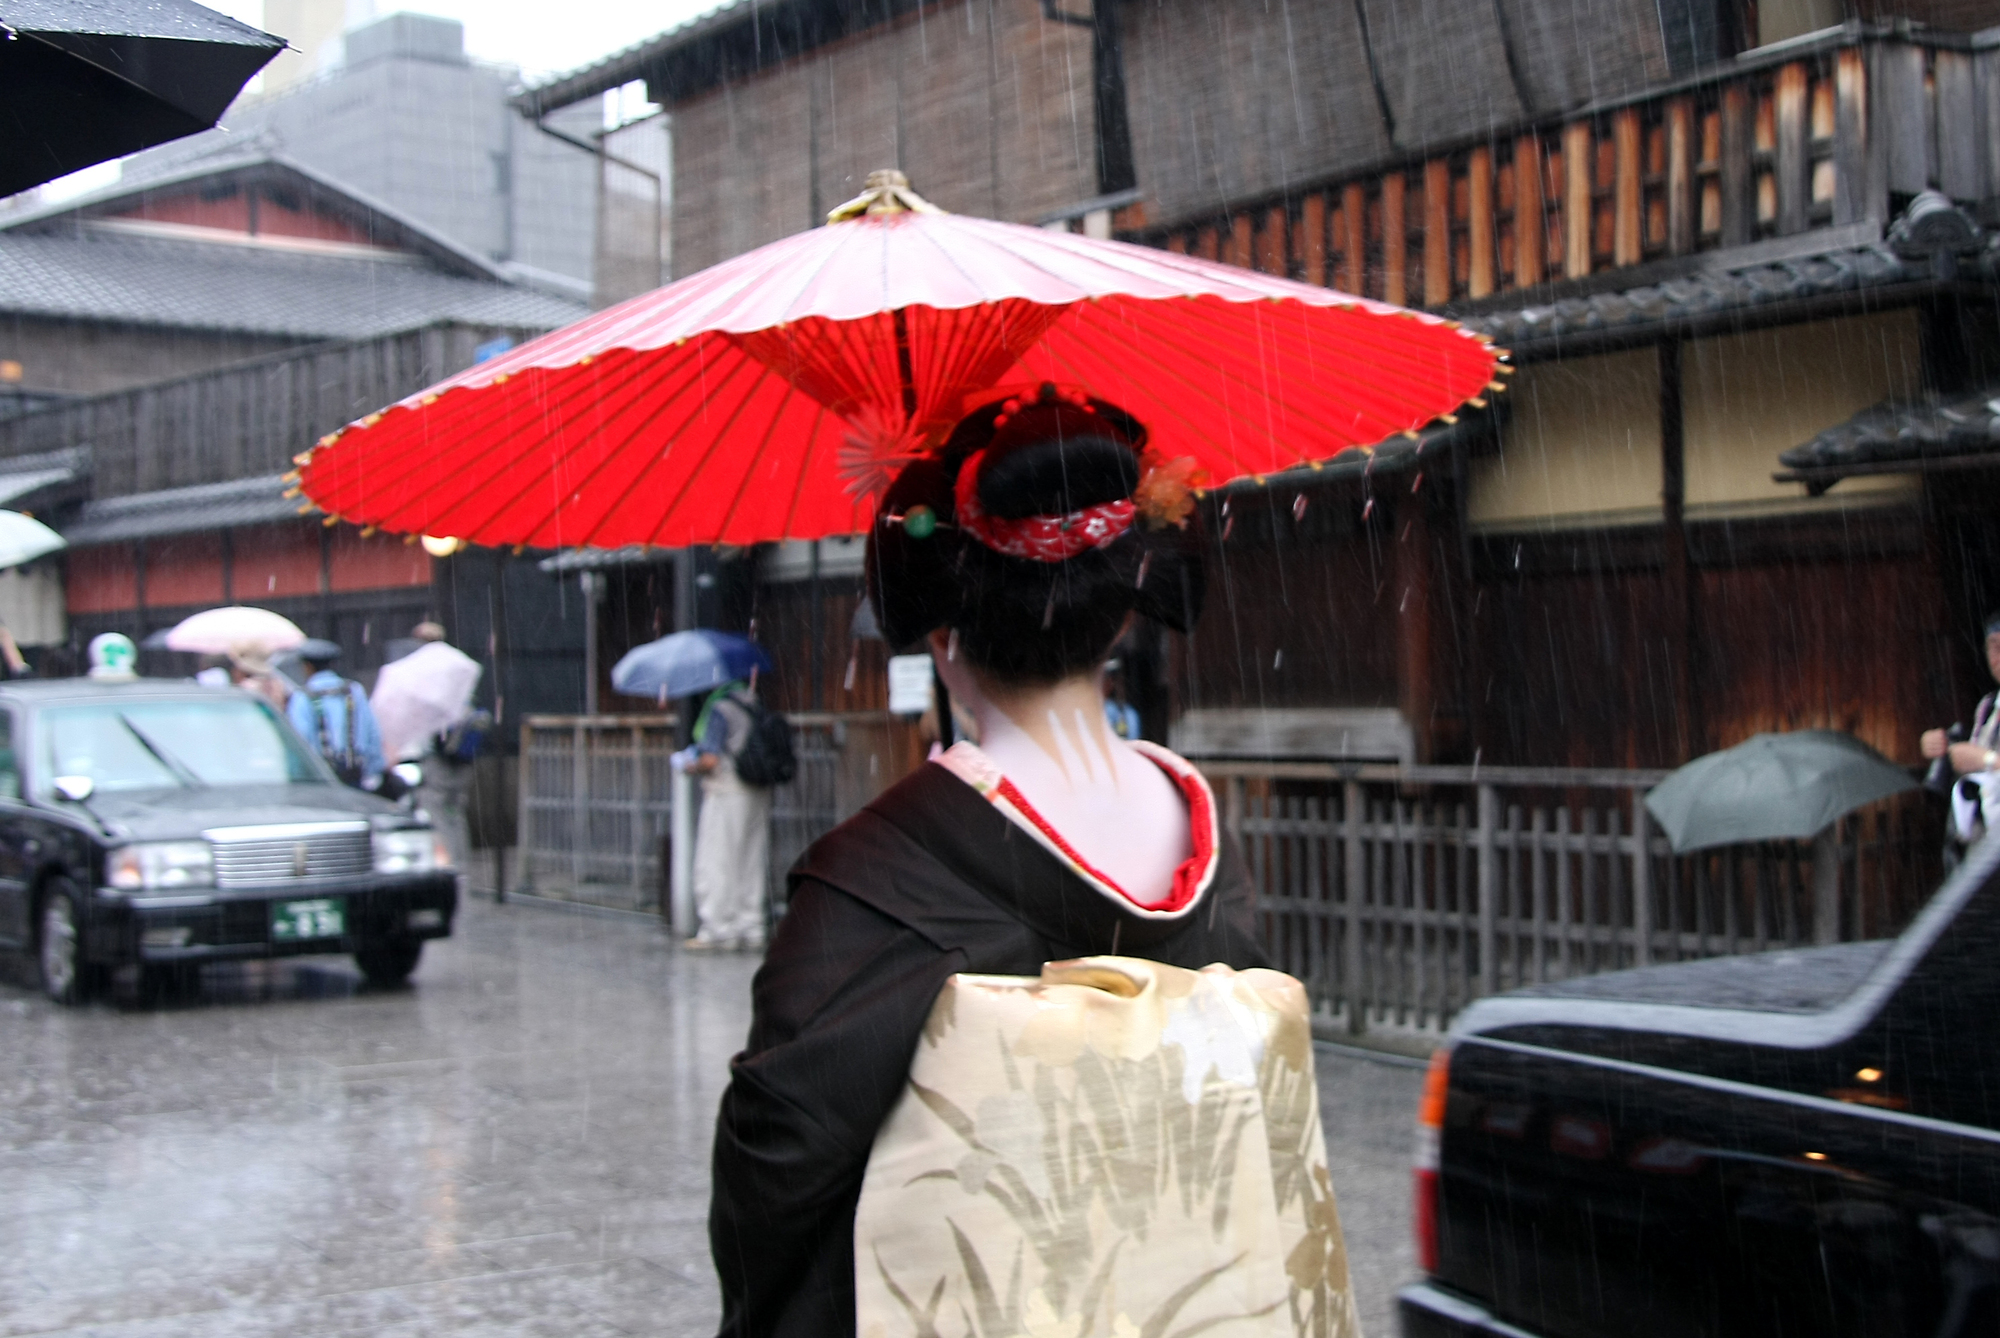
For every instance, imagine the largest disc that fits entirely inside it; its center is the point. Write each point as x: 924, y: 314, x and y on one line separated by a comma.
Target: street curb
x: 574, y: 907
x: 1395, y: 1047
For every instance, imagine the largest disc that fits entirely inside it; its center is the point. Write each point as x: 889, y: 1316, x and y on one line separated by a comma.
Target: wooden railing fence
x: 243, y: 420
x: 1399, y: 895
x: 596, y: 808
x: 596, y: 805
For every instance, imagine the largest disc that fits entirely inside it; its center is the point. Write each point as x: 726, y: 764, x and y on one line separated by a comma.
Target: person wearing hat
x: 1975, y: 762
x: 333, y: 716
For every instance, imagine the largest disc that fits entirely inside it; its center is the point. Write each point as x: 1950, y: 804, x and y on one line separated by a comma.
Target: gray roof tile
x: 1905, y: 432
x: 219, y: 286
x: 206, y: 506
x: 1702, y: 294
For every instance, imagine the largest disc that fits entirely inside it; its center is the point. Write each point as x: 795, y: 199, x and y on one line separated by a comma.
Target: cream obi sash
x: 1118, y: 1148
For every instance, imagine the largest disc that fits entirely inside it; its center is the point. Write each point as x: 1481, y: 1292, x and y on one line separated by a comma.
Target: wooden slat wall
x: 1814, y: 143
x: 242, y: 421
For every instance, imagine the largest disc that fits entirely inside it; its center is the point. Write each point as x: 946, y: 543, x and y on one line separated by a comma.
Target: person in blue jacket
x: 333, y: 716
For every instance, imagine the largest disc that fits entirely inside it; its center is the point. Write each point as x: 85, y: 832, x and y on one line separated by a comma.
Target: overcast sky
x: 505, y: 32
x: 519, y: 32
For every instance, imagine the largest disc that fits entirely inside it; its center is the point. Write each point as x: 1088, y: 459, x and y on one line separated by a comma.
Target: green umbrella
x: 1772, y: 787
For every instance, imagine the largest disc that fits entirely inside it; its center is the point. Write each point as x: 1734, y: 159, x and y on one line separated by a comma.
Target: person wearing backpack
x: 740, y: 752
x: 333, y: 716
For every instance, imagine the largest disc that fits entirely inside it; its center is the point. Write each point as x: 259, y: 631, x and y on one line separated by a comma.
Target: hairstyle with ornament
x: 1038, y: 527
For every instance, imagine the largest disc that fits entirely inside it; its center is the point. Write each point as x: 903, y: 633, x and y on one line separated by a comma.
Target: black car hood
x: 1797, y: 980
x: 176, y: 814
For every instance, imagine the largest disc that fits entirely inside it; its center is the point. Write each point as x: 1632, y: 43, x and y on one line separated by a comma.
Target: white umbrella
x: 23, y: 539
x: 424, y: 693
x: 218, y: 631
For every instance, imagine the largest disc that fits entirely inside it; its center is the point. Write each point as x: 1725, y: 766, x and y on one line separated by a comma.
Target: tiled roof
x: 1909, y: 432
x: 601, y: 559
x: 251, y: 289
x: 1714, y: 292
x: 206, y: 506
x: 213, y: 160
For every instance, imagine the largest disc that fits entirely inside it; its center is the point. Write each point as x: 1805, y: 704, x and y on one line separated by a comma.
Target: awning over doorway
x: 32, y: 482
x: 1927, y: 435
x: 602, y: 559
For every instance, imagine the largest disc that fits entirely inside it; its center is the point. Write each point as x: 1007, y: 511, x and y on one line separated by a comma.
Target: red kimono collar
x: 1191, y: 879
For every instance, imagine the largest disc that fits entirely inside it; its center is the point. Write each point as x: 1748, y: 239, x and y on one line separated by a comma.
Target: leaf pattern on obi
x: 1072, y: 1163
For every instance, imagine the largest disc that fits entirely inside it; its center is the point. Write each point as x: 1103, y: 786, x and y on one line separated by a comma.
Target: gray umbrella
x: 1772, y: 787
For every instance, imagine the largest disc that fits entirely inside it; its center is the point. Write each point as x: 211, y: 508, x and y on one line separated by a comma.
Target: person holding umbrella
x: 423, y: 706
x: 1020, y: 552
x: 1018, y: 535
x: 249, y: 667
x: 732, y: 843
x: 1973, y: 762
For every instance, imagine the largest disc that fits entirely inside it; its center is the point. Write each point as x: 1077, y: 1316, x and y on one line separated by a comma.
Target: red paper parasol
x: 773, y: 396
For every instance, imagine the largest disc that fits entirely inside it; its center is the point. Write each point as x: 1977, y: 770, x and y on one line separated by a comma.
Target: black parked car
x: 1795, y: 1143
x: 161, y: 825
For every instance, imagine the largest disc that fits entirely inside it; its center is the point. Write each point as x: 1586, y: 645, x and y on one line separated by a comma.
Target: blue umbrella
x: 686, y: 663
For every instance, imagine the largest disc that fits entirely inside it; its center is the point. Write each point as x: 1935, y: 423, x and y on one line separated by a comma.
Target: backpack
x: 462, y: 742
x: 766, y: 758
x: 345, y: 761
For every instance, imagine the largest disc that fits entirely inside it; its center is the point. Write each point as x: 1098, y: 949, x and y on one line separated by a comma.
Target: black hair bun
x: 1022, y: 619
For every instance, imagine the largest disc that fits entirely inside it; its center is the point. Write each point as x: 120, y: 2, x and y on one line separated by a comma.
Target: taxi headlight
x: 409, y: 850
x: 154, y: 865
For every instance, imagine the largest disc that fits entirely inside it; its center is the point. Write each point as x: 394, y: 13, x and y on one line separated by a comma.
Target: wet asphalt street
x: 517, y: 1145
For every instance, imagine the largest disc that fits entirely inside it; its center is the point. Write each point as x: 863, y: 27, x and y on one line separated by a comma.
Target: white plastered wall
x: 1581, y: 447
x: 1751, y: 396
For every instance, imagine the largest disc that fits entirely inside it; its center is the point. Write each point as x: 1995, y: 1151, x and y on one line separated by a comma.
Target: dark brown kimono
x: 928, y: 880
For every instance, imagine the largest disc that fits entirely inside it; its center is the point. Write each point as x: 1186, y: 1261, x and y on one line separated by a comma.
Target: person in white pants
x: 732, y: 842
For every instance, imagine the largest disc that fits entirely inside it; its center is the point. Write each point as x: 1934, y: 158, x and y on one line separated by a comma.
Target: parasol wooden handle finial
x: 888, y: 193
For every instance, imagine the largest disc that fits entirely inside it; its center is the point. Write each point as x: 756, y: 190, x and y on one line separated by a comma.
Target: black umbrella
x: 1772, y: 787
x: 83, y: 81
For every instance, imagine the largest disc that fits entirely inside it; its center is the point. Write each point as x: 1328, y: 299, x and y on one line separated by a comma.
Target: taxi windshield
x: 151, y: 745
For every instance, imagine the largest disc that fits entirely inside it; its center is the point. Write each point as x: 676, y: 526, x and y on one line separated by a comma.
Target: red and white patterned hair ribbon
x: 1038, y: 538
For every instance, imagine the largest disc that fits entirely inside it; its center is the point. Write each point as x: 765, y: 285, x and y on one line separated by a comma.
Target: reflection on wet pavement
x: 516, y: 1145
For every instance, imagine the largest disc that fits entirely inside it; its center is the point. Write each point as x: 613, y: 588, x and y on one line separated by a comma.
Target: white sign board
x: 909, y: 684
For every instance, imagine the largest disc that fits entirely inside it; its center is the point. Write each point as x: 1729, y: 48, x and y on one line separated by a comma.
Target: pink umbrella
x: 218, y: 631
x: 424, y: 693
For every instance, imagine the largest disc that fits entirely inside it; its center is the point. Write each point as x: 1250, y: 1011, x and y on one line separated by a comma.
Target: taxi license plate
x: 322, y: 917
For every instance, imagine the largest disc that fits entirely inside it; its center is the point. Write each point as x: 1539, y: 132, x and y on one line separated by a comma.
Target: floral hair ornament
x: 1166, y: 492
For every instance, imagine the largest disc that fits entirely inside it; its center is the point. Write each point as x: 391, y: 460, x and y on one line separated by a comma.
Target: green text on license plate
x: 322, y: 917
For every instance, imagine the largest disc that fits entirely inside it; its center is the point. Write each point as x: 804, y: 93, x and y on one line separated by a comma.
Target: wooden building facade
x: 1698, y: 242
x: 1694, y: 279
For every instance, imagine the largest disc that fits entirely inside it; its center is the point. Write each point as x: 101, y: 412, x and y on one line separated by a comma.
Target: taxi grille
x: 295, y: 856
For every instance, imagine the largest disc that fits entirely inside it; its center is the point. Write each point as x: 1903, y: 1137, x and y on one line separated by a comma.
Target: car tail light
x: 1430, y: 1132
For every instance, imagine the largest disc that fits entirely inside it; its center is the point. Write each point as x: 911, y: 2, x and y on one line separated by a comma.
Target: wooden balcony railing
x: 1829, y: 134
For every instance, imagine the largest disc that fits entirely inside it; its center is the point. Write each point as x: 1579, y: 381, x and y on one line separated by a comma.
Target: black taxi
x: 156, y: 826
